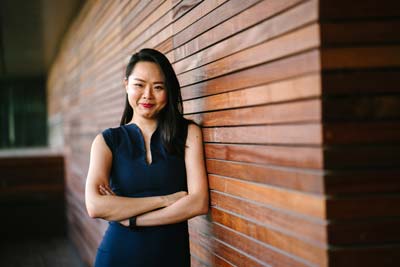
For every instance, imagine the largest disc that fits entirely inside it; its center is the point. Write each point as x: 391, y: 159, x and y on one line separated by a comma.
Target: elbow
x: 204, y: 210
x: 98, y: 211
x: 203, y: 207
x: 93, y: 210
x: 93, y: 214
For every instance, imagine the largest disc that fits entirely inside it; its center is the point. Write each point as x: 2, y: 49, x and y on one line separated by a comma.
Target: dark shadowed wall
x: 298, y: 101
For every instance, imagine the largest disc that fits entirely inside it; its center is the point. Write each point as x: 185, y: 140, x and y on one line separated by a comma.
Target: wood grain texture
x: 309, y: 252
x: 210, y: 19
x: 302, y: 134
x: 307, y: 111
x: 360, y: 59
x: 255, y: 249
x: 303, y: 157
x: 291, y: 201
x: 298, y: 88
x: 290, y: 223
x: 264, y: 73
x: 199, y: 50
x: 291, y: 43
x: 306, y: 180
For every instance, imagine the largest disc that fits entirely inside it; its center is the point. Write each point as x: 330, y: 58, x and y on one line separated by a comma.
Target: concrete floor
x: 52, y: 252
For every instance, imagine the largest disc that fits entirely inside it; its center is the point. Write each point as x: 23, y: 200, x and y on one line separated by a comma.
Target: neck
x: 145, y: 124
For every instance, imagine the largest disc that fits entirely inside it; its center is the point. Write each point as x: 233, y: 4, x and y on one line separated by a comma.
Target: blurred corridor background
x: 299, y: 103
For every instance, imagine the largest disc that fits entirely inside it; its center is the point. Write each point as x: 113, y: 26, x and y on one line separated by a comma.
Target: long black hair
x: 172, y: 125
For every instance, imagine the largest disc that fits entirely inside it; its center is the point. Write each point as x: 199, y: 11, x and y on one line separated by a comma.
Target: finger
x: 110, y: 190
x: 106, y: 190
x: 102, y: 191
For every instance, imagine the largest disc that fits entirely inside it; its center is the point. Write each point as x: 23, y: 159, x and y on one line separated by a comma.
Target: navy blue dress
x: 132, y: 176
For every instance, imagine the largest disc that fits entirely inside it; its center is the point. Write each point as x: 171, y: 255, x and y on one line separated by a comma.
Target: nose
x: 148, y: 92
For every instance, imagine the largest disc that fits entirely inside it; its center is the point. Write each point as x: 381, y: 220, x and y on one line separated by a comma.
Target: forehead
x: 148, y: 71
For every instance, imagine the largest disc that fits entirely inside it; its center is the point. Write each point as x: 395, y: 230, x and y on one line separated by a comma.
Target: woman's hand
x: 125, y: 222
x: 106, y: 190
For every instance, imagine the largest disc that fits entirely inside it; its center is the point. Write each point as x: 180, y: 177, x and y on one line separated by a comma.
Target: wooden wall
x: 31, y: 195
x: 288, y: 93
x: 360, y: 59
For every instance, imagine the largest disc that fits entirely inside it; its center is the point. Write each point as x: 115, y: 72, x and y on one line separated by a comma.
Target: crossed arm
x: 101, y: 202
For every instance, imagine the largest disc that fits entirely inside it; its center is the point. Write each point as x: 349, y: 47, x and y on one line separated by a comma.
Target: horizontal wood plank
x: 232, y: 35
x: 303, y: 157
x: 368, y: 256
x: 361, y: 57
x: 359, y: 32
x: 371, y: 132
x: 363, y: 82
x: 273, y: 134
x: 381, y: 107
x: 290, y: 201
x: 363, y: 181
x: 353, y: 207
x: 342, y: 9
x: 288, y: 90
x: 295, y: 42
x: 255, y: 249
x: 266, y: 73
x: 214, y: 17
x: 303, y: 227
x: 310, y: 253
x: 295, y: 112
x: 295, y: 179
x: 364, y: 232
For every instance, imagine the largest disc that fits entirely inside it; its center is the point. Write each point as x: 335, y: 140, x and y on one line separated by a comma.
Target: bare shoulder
x: 99, y: 140
x: 99, y: 144
x: 194, y: 133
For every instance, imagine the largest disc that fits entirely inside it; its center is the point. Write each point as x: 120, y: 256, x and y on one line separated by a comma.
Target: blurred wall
x: 301, y: 167
x: 31, y: 196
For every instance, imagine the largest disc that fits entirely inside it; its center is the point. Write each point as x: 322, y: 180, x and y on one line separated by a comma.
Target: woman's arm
x: 196, y: 202
x: 112, y: 207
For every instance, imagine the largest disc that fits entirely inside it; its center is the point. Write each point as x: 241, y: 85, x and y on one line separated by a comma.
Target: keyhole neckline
x: 143, y: 145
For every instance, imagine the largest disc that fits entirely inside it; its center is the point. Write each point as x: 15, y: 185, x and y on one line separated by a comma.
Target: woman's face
x: 146, y: 90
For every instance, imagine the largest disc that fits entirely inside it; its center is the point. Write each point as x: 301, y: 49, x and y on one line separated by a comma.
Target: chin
x: 148, y: 115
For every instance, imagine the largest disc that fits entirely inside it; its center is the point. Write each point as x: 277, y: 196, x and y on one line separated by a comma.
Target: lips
x: 146, y: 105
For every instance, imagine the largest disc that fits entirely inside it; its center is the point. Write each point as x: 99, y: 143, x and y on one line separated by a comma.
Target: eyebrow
x: 138, y: 79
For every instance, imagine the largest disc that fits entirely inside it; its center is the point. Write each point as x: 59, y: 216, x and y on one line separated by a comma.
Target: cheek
x: 133, y: 96
x: 162, y: 98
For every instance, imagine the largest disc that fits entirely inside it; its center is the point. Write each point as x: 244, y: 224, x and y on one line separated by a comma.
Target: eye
x: 159, y: 87
x: 137, y: 85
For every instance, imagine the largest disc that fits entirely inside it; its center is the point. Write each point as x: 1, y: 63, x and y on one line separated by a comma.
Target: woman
x: 147, y: 177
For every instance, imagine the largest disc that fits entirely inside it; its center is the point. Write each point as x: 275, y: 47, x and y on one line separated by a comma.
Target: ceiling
x: 30, y: 34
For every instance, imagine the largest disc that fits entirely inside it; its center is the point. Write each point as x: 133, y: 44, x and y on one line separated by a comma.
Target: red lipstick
x: 146, y: 105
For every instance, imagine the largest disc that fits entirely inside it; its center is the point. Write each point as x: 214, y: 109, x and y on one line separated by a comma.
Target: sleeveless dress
x: 132, y: 176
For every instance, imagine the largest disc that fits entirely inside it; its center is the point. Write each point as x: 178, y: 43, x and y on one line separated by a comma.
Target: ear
x: 126, y: 84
